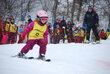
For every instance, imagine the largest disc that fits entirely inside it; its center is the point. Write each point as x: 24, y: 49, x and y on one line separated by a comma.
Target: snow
x: 68, y: 58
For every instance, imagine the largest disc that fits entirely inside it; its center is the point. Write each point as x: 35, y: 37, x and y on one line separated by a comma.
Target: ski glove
x: 23, y: 36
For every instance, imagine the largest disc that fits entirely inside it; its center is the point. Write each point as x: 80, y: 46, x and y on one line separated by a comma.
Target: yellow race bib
x: 37, y: 32
x: 12, y: 28
x: 7, y: 27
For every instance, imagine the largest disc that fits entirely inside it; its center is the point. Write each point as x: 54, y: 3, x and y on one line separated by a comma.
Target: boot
x: 20, y: 55
x: 87, y: 41
x: 41, y: 56
x: 97, y: 42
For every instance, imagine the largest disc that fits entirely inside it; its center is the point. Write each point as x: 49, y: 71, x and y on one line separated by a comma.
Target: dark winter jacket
x: 91, y: 19
x: 69, y: 27
x: 63, y: 24
x: 56, y: 25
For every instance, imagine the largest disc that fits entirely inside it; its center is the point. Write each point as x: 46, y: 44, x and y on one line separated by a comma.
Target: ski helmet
x: 90, y: 7
x: 42, y: 13
x: 42, y: 16
x: 29, y: 16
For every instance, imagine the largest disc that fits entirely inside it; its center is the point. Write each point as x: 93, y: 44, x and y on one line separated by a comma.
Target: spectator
x: 70, y: 32
x: 91, y: 21
x: 63, y: 27
x: 20, y: 31
x: 102, y: 35
x: 12, y: 32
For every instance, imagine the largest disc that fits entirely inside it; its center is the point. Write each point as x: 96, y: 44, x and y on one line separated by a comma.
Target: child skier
x: 37, y: 34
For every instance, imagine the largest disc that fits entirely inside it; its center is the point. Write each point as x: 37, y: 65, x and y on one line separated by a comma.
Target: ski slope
x: 73, y: 58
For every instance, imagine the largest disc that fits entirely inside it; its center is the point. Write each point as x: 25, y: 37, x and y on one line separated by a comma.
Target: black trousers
x: 95, y: 31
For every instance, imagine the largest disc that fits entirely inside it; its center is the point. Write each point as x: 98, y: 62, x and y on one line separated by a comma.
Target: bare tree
x: 105, y: 6
x: 108, y: 11
x: 79, y: 9
x: 67, y: 7
x: 54, y: 10
x: 47, y: 4
x: 6, y: 7
x: 72, y: 10
x: 94, y: 3
x: 27, y: 6
x: 16, y: 8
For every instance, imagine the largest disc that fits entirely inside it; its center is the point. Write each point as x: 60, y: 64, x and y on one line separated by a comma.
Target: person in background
x: 79, y: 34
x: 12, y: 32
x: 102, y: 35
x: 84, y: 35
x: 50, y: 30
x: 5, y: 30
x: 108, y: 33
x: 63, y: 28
x: 70, y: 36
x: 91, y: 21
x: 20, y: 31
x: 56, y: 31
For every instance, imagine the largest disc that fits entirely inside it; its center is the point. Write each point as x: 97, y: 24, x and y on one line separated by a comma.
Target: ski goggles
x: 44, y: 18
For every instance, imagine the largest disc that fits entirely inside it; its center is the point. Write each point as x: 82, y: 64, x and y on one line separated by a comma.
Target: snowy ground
x: 66, y: 59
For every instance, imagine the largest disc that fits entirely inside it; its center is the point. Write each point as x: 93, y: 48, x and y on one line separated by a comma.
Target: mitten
x: 23, y: 36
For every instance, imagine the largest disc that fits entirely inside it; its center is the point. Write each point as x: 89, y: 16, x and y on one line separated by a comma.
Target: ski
x: 46, y: 60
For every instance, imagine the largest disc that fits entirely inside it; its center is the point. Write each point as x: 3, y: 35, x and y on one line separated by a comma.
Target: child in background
x: 79, y: 34
x: 108, y: 33
x: 20, y: 31
x: 102, y: 35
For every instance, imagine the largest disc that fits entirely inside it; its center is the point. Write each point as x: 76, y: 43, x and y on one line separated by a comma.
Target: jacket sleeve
x: 85, y: 20
x: 97, y: 18
x: 28, y: 28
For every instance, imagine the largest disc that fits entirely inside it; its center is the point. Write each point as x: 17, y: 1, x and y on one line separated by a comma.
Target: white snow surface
x: 68, y: 58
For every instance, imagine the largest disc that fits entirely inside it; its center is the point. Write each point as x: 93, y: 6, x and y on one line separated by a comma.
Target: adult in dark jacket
x: 91, y: 21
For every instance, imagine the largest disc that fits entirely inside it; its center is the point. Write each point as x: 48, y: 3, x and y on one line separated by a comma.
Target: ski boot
x: 87, y: 41
x: 21, y: 55
x: 41, y: 57
x: 98, y: 42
